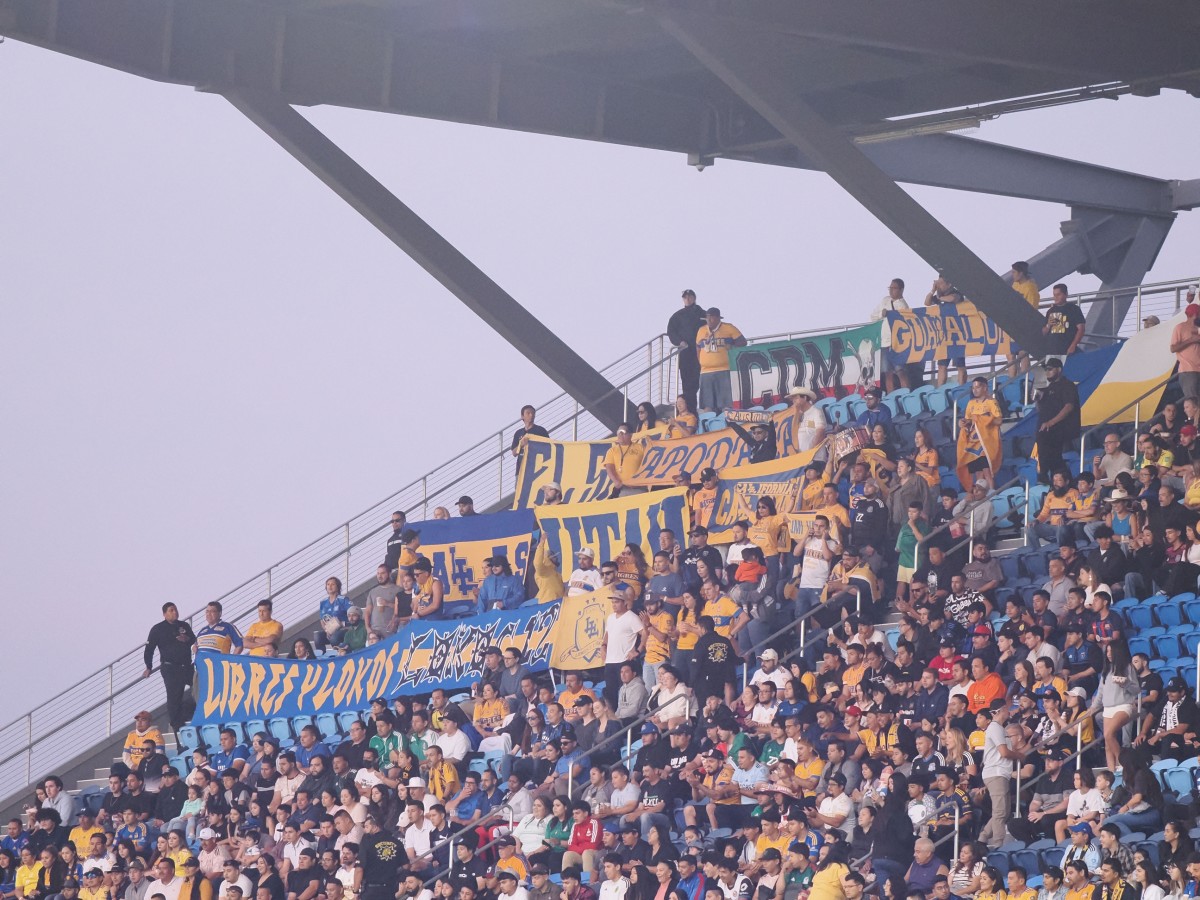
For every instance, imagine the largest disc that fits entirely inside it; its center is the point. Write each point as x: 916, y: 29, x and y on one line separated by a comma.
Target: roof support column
x: 432, y: 252
x: 744, y: 62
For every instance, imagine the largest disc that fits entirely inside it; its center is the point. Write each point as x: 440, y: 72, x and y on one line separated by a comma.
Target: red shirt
x: 943, y: 666
x: 585, y: 835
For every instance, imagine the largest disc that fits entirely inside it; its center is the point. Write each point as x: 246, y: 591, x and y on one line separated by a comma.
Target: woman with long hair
x: 925, y: 458
x: 1084, y: 804
x: 671, y: 700
x: 1141, y: 811
x: 686, y: 630
x: 662, y: 850
x: 558, y: 835
x: 893, y: 833
x: 607, y: 725
x: 769, y: 533
x: 381, y: 805
x: 268, y: 877
x: 642, y: 885
x: 964, y: 874
x: 349, y: 799
x: 1145, y: 877
x: 833, y: 864
x: 530, y: 830
x: 334, y: 613
x: 1176, y: 846
x: 8, y: 875
x: 793, y: 698
x: 302, y: 648
x: 647, y: 417
x: 684, y: 422
x: 1116, y: 698
x: 991, y: 884
x: 632, y: 568
x: 958, y: 757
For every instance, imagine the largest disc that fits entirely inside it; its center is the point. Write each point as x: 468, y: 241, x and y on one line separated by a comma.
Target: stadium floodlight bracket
x: 432, y: 252
x: 746, y: 65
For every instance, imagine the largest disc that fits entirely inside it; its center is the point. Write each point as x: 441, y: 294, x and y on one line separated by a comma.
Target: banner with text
x: 608, y: 525
x: 419, y: 657
x: 457, y: 548
x: 723, y: 449
x: 833, y: 365
x: 922, y: 335
x: 576, y: 466
x: 740, y: 489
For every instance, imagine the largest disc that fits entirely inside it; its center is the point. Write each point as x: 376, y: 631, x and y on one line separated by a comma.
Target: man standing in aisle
x: 1058, y: 419
x: 681, y: 331
x: 173, y: 639
x: 1185, y: 344
x: 713, y: 341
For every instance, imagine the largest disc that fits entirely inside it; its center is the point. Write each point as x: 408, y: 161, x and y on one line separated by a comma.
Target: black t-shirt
x: 300, y: 880
x: 535, y: 431
x: 264, y: 787
x: 1061, y: 322
x: 1056, y: 395
x: 655, y: 793
x: 640, y: 852
x: 381, y: 857
x: 467, y: 873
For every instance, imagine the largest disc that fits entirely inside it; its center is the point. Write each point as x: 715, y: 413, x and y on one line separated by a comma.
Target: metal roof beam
x: 433, y: 253
x: 736, y: 58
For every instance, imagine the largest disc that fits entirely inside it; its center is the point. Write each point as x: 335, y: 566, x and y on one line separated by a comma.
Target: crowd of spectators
x: 872, y: 756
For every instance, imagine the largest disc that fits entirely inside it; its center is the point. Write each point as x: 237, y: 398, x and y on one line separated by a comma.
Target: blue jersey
x: 224, y: 760
x: 305, y: 756
x: 219, y: 638
x: 337, y: 609
x: 138, y: 833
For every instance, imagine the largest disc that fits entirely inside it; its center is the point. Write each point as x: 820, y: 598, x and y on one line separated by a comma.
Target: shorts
x: 1111, y: 711
x: 885, y: 361
x: 957, y: 361
x: 904, y: 574
x: 979, y: 464
x: 716, y: 390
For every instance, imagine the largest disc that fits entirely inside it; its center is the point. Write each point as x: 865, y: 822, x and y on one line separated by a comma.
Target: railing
x: 102, y: 705
x: 1136, y: 403
x: 624, y: 734
x: 1161, y: 298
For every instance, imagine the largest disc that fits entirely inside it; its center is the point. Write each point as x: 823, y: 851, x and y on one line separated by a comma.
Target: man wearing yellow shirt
x: 832, y: 509
x: 658, y: 624
x: 713, y: 343
x: 724, y: 611
x: 264, y: 636
x: 1060, y: 500
x: 573, y: 689
x: 623, y: 460
x: 81, y: 834
x: 1024, y: 285
x: 704, y: 499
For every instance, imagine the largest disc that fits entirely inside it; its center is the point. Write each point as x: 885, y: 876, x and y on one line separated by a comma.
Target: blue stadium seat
x: 281, y: 730
x: 1165, y: 645
x: 1169, y: 613
x: 328, y: 726
x: 210, y: 735
x: 1191, y: 611
x: 938, y: 401
x: 1150, y: 848
x: 892, y: 401
x: 1141, y: 617
x: 1026, y: 859
x: 239, y: 733
x: 1186, y: 597
x: 999, y: 859
x: 1051, y: 856
x: 254, y: 726
x: 1140, y: 645
x: 1177, y: 779
x: 189, y: 738
x: 1035, y: 562
x: 345, y: 720
x: 299, y: 722
x: 777, y: 407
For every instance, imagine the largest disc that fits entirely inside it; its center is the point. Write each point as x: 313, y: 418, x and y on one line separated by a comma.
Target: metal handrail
x: 612, y: 738
x: 975, y: 504
x: 1135, y: 402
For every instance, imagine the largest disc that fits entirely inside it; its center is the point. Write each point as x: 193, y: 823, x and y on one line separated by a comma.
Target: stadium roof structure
x: 865, y: 90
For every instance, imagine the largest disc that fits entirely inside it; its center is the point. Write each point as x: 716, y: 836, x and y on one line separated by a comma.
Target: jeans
x: 716, y: 391
x: 650, y: 674
x: 1036, y: 532
x: 1136, y: 586
x: 806, y: 599
x: 1146, y: 822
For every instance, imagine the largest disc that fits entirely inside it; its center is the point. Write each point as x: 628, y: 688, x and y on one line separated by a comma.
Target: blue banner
x: 936, y: 333
x: 457, y: 548
x: 419, y: 657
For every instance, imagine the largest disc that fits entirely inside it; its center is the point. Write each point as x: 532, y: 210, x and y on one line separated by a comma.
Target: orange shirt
x: 983, y: 692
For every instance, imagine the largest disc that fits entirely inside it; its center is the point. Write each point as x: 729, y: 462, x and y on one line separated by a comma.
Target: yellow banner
x: 608, y: 525
x: 579, y: 631
x: 741, y: 487
x: 576, y: 466
x: 936, y: 334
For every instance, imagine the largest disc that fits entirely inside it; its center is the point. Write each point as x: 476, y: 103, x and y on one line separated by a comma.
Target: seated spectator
x: 1107, y: 465
x: 1050, y: 520
x: 501, y: 589
x: 333, y: 610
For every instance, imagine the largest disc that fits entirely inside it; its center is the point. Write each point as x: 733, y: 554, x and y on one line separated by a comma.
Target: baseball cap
x: 698, y: 529
x: 649, y: 728
x: 771, y: 853
x: 1151, y: 320
x: 464, y: 499
x: 1077, y: 692
x: 1176, y: 684
x: 1053, y: 363
x: 1081, y: 828
x: 506, y: 875
x: 837, y: 778
x: 1192, y: 310
x: 552, y: 486
x: 586, y: 551
x: 982, y: 629
x: 506, y: 841
x: 707, y: 473
x: 416, y: 782
x: 853, y: 711
x: 207, y: 834
x: 681, y: 730
x: 769, y: 654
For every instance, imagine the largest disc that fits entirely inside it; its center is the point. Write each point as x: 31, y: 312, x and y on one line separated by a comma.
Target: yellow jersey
x: 268, y: 630
x: 626, y: 460
x: 724, y: 612
x: 657, y: 649
x: 674, y: 432
x: 686, y: 640
x: 489, y: 714
x: 722, y: 778
x: 764, y: 533
x: 1029, y: 290
x: 811, y: 769
x: 712, y: 347
x: 810, y: 495
x: 567, y: 701
x: 704, y: 504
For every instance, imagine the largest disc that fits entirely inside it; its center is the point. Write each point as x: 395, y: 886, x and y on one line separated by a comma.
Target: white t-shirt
x: 812, y: 422
x: 169, y: 889
x: 815, y: 571
x: 622, y: 632
x: 995, y: 765
x: 584, y: 580
x: 887, y: 305
x: 242, y: 881
x: 1078, y: 803
x: 843, y: 805
x: 614, y: 890
x: 779, y: 677
x: 454, y: 746
x: 733, y: 555
x: 416, y: 840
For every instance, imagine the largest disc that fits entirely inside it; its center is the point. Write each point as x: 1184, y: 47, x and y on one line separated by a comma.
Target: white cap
x: 768, y: 654
x: 587, y: 551
x: 416, y: 782
x: 207, y: 834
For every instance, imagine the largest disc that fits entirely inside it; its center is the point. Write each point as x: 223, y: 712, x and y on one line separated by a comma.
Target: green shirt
x: 906, y: 544
x: 772, y: 752
x: 383, y: 748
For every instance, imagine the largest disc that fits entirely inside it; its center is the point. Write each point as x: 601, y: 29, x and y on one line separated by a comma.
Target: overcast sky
x: 209, y: 359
